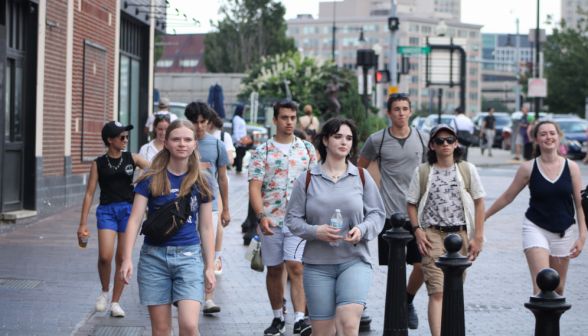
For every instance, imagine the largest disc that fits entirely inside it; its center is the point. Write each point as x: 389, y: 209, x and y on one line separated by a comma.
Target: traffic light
x: 382, y: 76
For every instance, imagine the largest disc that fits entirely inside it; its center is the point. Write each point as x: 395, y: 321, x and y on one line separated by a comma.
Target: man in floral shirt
x: 273, y: 170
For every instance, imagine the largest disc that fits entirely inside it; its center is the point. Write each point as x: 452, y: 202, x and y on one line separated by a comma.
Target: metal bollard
x: 252, y: 229
x: 547, y: 306
x: 396, y: 312
x: 453, y: 264
x: 245, y: 225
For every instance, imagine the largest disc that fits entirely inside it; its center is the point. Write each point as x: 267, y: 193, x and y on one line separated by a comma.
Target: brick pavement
x: 497, y: 285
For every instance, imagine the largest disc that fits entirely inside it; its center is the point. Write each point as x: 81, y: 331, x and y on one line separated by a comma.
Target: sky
x: 497, y: 16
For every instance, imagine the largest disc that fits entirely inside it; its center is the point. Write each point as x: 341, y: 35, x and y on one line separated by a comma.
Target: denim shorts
x: 168, y: 274
x: 113, y: 216
x: 329, y: 286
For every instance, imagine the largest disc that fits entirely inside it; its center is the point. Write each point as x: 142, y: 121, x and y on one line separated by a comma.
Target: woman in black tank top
x: 114, y: 173
x: 554, y: 184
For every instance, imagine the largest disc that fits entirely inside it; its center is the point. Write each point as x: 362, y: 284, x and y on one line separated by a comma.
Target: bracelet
x: 584, y: 240
x: 125, y: 261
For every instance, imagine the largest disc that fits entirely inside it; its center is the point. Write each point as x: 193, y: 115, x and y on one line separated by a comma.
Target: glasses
x: 162, y: 116
x: 450, y: 140
x: 124, y: 137
x: 285, y: 101
x: 398, y: 95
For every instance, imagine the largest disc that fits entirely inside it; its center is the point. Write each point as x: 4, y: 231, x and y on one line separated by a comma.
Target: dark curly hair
x: 330, y: 128
x: 194, y: 109
x: 432, y: 155
x: 284, y: 103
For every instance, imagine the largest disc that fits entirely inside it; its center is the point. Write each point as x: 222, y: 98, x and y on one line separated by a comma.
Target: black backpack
x: 169, y: 219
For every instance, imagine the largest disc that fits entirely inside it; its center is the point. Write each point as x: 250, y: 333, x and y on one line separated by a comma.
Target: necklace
x: 109, y: 165
x: 336, y: 177
x: 542, y: 163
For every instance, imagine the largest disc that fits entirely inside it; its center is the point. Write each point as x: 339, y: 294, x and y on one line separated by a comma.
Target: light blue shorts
x: 329, y: 286
x: 113, y: 216
x: 169, y: 274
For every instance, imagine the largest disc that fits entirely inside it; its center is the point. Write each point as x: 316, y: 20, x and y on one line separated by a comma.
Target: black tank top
x: 116, y: 185
x: 551, y: 206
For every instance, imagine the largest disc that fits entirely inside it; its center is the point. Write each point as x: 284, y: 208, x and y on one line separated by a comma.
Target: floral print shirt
x: 278, y: 171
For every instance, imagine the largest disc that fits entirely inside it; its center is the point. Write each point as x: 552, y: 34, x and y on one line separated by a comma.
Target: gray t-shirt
x: 444, y: 206
x: 209, y: 149
x: 397, y: 163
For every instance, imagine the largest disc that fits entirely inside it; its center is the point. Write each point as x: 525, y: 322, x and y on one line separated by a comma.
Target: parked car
x: 418, y: 122
x: 502, y: 119
x: 433, y: 120
x: 257, y: 133
x: 574, y: 130
x: 176, y: 108
x: 565, y: 116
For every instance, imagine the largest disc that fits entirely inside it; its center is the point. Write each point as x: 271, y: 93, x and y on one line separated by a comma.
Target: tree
x: 249, y: 30
x: 566, y: 52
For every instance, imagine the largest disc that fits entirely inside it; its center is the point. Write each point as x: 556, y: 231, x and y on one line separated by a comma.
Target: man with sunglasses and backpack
x: 445, y: 197
x: 397, y: 151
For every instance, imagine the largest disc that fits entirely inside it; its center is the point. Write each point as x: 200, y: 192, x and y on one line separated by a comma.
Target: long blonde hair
x: 160, y: 184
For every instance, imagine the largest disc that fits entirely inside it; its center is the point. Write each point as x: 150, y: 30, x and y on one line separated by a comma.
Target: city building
x: 418, y: 19
x: 182, y: 54
x: 569, y: 11
x: 68, y: 67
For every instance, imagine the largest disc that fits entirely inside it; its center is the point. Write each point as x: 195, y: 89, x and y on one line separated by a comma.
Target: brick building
x: 67, y: 67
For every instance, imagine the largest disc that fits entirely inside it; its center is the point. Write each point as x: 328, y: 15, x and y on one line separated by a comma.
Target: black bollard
x: 547, y: 306
x: 453, y: 264
x: 396, y: 313
x: 246, y: 223
x: 252, y: 229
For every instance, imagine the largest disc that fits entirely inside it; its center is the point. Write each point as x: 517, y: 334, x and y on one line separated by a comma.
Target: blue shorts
x: 114, y: 216
x: 329, y: 286
x: 168, y: 274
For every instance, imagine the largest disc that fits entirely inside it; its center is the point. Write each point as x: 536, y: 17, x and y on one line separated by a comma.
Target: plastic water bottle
x: 336, y: 223
x: 84, y: 242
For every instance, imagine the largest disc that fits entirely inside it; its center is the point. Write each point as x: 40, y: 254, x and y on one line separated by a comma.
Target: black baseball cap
x: 439, y: 128
x: 114, y: 128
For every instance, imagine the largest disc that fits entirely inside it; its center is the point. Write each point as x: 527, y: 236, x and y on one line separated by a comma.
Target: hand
x: 354, y: 236
x: 577, y: 248
x: 326, y: 233
x: 205, y: 165
x: 126, y: 272
x: 209, y: 274
x: 475, y: 248
x: 264, y: 226
x: 83, y: 228
x: 225, y: 218
x: 422, y: 242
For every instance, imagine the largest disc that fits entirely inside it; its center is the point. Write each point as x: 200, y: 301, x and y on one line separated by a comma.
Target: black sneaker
x: 276, y: 328
x: 302, y: 328
x: 284, y: 309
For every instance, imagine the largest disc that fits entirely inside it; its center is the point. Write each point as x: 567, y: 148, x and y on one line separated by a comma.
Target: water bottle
x: 336, y: 223
x: 84, y: 242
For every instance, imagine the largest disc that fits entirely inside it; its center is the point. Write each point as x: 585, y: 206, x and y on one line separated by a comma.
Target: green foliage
x: 496, y: 103
x: 249, y: 30
x: 566, y: 52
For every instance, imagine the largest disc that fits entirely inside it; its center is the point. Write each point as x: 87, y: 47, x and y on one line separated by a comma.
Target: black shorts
x: 413, y: 255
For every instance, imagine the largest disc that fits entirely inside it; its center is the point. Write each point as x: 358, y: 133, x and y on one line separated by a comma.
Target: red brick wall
x: 54, y: 102
x: 91, y: 23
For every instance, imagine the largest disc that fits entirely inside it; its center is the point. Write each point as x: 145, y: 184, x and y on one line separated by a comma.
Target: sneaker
x: 482, y: 151
x: 517, y: 158
x: 284, y: 309
x: 102, y: 302
x: 116, y: 310
x: 302, y: 328
x: 210, y: 308
x: 413, y: 319
x: 218, y: 266
x: 490, y: 154
x: 278, y: 326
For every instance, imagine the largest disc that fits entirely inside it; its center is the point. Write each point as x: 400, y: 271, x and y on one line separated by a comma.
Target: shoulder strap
x: 362, y: 177
x: 217, y: 157
x: 466, y: 174
x: 308, y: 177
x: 222, y: 136
x: 422, y: 142
x: 424, y: 170
x: 379, y: 157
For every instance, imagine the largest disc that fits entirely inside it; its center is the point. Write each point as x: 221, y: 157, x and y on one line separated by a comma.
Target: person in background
x: 308, y: 123
x: 114, y: 172
x: 336, y: 278
x: 239, y: 132
x: 488, y: 131
x: 464, y: 128
x: 522, y: 138
x: 150, y: 149
x: 215, y: 127
x: 163, y: 110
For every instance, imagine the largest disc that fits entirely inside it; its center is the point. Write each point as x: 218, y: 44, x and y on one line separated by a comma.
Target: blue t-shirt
x: 187, y: 235
x: 210, y: 149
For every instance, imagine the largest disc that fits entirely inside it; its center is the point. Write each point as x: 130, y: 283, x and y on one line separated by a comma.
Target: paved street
x: 497, y: 285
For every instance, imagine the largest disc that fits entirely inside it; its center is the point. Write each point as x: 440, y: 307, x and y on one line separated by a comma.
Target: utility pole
x: 334, y: 29
x: 393, y: 49
x: 537, y: 49
x: 518, y: 69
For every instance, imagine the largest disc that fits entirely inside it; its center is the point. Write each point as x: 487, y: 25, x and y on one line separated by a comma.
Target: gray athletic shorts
x: 281, y: 246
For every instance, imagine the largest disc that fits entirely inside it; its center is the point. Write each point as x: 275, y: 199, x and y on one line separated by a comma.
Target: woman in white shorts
x: 555, y: 184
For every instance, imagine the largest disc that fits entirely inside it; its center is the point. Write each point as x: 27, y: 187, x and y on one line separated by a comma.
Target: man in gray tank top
x: 397, y: 151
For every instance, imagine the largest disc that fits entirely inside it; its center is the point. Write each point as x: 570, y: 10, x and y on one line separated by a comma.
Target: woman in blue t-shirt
x: 173, y: 272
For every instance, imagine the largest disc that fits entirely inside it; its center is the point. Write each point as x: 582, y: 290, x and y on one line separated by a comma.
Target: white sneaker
x: 102, y: 302
x: 116, y: 310
x: 210, y: 308
x: 218, y: 266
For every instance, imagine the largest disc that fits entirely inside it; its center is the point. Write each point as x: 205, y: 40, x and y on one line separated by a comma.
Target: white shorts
x: 281, y: 246
x: 557, y: 246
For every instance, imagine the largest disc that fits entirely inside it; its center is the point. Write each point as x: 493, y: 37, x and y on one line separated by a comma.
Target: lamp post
x: 537, y: 48
x: 440, y: 30
x: 334, y: 30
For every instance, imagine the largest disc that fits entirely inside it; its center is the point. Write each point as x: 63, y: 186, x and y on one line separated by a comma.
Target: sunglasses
x: 450, y: 140
x: 285, y: 101
x: 124, y: 137
x: 398, y: 95
x: 162, y: 116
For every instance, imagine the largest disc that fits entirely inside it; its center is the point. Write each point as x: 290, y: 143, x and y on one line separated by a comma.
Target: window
x: 385, y: 28
x: 326, y: 29
x: 372, y: 28
x: 413, y: 41
x: 377, y: 28
x: 189, y: 62
x: 426, y: 29
x: 164, y: 63
x: 413, y: 92
x: 413, y: 28
x: 451, y: 32
x: 450, y: 94
x: 327, y: 42
x: 473, y: 34
x: 413, y: 79
x: 305, y: 30
x: 473, y: 83
x: 473, y: 108
x: 297, y: 30
x: 316, y: 30
x: 306, y: 42
x: 473, y: 95
x: 474, y: 71
x: 462, y: 33
x: 424, y: 93
x: 345, y: 30
x: 474, y: 47
x: 413, y: 66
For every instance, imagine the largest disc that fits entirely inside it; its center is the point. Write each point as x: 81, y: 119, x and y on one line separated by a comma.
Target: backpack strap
x: 379, y: 157
x: 422, y: 144
x: 424, y: 170
x: 222, y: 136
x: 308, y: 177
x: 217, y: 157
x: 362, y: 177
x: 466, y: 174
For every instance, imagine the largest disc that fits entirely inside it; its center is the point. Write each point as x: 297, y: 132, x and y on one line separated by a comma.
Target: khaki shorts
x: 433, y: 274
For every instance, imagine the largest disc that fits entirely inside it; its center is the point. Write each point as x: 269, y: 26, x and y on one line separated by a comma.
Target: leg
x: 285, y: 282
x: 106, y: 239
x: 538, y: 259
x: 218, y: 240
x: 275, y: 286
x: 119, y: 285
x: 161, y: 319
x: 416, y: 279
x: 347, y: 320
x: 518, y: 155
x: 323, y: 327
x: 295, y: 269
x: 188, y: 311
x: 560, y: 264
x: 435, y: 307
x: 320, y: 289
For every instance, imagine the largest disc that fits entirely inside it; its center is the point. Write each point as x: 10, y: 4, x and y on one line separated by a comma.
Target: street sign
x: 537, y: 87
x: 392, y: 89
x: 413, y: 50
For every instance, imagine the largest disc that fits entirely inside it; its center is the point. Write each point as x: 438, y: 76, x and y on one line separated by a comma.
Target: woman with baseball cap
x: 114, y: 173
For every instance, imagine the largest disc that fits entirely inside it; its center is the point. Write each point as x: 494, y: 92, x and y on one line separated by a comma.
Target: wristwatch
x: 414, y: 228
x: 260, y: 216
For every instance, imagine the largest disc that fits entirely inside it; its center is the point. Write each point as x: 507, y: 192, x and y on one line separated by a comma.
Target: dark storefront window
x: 129, y: 79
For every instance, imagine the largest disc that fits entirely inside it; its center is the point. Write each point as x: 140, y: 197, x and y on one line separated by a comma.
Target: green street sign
x: 414, y: 50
